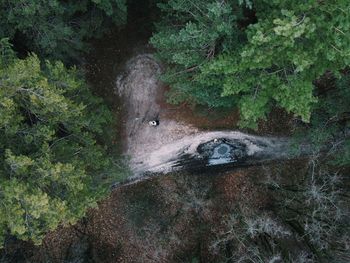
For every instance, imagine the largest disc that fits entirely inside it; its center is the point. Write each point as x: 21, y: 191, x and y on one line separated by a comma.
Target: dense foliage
x: 250, y: 54
x: 329, y: 128
x: 216, y: 59
x: 308, y: 215
x: 58, y: 29
x: 191, y: 34
x: 51, y: 168
x: 257, y: 55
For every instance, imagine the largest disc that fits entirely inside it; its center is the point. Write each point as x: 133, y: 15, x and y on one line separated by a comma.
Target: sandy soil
x: 157, y: 149
x: 139, y: 86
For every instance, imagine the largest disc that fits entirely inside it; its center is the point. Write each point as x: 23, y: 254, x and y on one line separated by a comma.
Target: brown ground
x: 168, y: 219
x: 200, y: 117
x: 175, y: 218
x: 279, y: 123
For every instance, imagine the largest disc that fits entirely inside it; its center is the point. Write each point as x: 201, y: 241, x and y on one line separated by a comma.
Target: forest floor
x: 170, y: 219
x: 174, y: 218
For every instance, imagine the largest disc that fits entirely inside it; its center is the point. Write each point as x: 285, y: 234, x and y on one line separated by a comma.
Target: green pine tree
x: 51, y: 168
x: 215, y: 59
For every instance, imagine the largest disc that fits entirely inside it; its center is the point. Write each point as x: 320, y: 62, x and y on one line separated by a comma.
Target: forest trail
x: 173, y: 145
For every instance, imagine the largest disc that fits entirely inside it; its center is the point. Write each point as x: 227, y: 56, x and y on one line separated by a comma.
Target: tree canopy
x: 252, y: 54
x: 51, y: 167
x: 58, y: 29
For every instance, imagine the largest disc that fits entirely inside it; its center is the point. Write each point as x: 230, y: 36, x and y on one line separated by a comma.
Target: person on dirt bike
x: 154, y: 123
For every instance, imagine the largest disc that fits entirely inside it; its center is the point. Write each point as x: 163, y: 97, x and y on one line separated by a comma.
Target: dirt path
x: 170, y: 145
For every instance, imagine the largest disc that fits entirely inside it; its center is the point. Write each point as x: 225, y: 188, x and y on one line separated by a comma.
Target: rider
x: 154, y: 123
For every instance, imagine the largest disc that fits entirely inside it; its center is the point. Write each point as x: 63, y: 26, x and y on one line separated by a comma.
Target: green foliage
x: 51, y: 168
x: 316, y: 204
x: 191, y: 34
x: 56, y: 28
x: 271, y: 62
x: 329, y: 129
